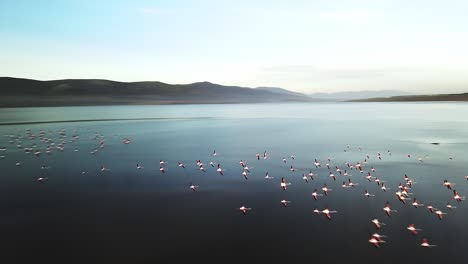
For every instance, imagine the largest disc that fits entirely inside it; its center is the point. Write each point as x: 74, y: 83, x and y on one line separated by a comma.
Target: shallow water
x: 126, y: 215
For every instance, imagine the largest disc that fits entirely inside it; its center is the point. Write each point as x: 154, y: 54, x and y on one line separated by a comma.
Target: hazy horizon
x: 304, y: 46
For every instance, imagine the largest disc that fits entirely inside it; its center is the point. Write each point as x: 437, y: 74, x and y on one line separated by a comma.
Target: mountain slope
x: 418, y: 98
x: 279, y: 90
x: 25, y: 92
x: 358, y: 94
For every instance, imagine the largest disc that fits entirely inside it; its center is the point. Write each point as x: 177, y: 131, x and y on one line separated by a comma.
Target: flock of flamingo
x: 403, y: 195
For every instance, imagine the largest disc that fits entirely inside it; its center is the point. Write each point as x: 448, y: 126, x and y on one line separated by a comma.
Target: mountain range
x: 18, y: 92
x: 341, y: 96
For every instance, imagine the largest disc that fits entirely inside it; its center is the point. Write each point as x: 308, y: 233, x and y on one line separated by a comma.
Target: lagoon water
x: 126, y: 215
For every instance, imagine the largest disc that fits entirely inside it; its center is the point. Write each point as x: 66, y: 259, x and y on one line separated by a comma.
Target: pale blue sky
x: 307, y: 46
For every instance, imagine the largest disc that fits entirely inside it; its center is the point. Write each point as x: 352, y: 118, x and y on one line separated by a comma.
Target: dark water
x: 126, y: 215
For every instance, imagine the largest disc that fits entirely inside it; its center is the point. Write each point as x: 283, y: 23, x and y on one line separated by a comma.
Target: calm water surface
x: 126, y: 215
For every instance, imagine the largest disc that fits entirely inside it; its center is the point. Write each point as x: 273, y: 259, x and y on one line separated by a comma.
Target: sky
x: 305, y: 46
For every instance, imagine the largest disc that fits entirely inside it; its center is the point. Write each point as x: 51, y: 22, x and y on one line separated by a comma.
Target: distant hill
x: 342, y: 96
x: 18, y: 92
x: 280, y: 91
x: 418, y: 98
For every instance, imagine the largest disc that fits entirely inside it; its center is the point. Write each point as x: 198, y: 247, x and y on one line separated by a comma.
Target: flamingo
x: 284, y: 183
x: 447, y: 184
x: 387, y: 209
x: 416, y: 204
x: 367, y: 194
x: 42, y: 179
x: 267, y: 176
x: 244, y: 209
x: 202, y: 168
x: 377, y: 223
x: 425, y: 243
x: 338, y: 169
x: 193, y: 187
x: 413, y: 229
x: 317, y: 164
x: 401, y: 197
x: 327, y: 212
x: 351, y: 184
x: 457, y: 196
x: 242, y: 163
x: 244, y: 173
x: 181, y: 165
x: 378, y: 236
x: 375, y: 241
x: 344, y: 185
x: 315, y: 194
x: 431, y: 208
x: 439, y: 213
x: 219, y: 170
x: 377, y: 180
x: 384, y: 188
x: 284, y: 202
x: 325, y: 189
x: 449, y: 206
x: 304, y: 177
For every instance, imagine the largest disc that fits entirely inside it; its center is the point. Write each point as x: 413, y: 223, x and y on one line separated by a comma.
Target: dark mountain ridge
x: 18, y: 92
